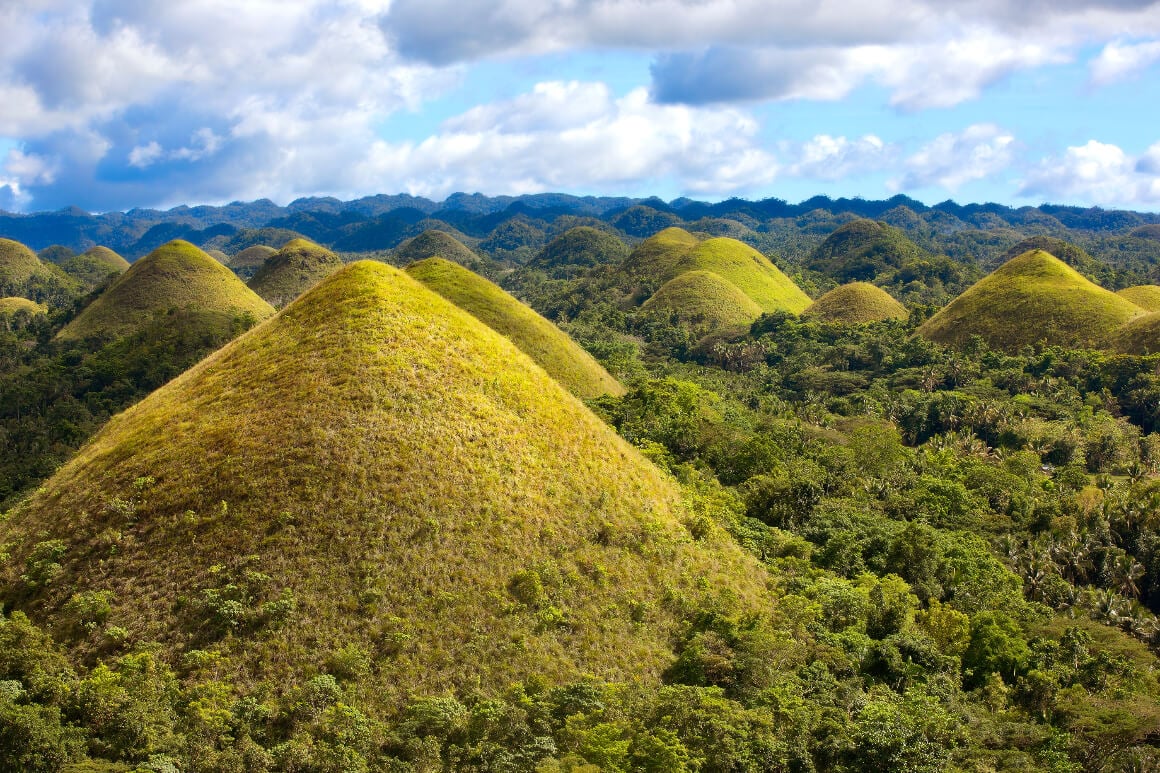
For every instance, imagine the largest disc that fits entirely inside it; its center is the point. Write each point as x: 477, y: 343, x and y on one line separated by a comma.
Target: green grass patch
x: 545, y: 343
x: 1147, y: 297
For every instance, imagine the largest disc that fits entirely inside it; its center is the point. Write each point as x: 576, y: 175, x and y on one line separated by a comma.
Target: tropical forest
x: 569, y: 484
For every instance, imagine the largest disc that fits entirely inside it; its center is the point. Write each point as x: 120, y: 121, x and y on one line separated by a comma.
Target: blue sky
x: 113, y: 104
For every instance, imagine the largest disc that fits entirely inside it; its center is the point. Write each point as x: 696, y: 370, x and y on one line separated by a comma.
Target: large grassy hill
x: 373, y: 470
x: 863, y: 249
x: 434, y: 243
x: 704, y: 303
x: 856, y: 303
x: 1032, y: 298
x: 176, y: 275
x: 577, y: 250
x: 1147, y: 297
x: 545, y: 343
x: 655, y: 258
x: 748, y: 270
x: 292, y: 270
x: 18, y: 264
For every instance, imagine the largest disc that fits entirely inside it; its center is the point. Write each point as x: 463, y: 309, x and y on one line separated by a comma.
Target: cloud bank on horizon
x: 111, y: 104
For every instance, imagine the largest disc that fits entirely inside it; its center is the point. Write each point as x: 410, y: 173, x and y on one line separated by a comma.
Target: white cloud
x: 1119, y: 60
x: 534, y: 143
x: 952, y: 160
x: 825, y: 157
x: 1097, y: 172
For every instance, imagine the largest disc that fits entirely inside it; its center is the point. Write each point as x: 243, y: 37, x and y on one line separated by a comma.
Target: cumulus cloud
x: 574, y: 135
x: 153, y: 103
x: 1119, y: 60
x: 1097, y: 172
x: 829, y: 158
x: 929, y: 53
x: 952, y: 160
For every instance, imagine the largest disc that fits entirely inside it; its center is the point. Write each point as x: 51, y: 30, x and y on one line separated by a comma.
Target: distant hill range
x: 512, y: 226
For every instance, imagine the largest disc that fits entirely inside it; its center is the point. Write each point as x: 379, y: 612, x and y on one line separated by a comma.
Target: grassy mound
x: 856, y: 303
x: 247, y: 262
x: 174, y: 276
x: 1032, y: 298
x: 1139, y: 336
x: 373, y: 468
x: 95, y: 266
x: 863, y: 249
x: 577, y: 250
x: 1147, y: 297
x: 12, y: 306
x: 219, y: 256
x: 748, y: 270
x: 545, y: 343
x: 704, y: 303
x: 292, y: 270
x: 18, y: 264
x: 655, y: 258
x: 435, y: 244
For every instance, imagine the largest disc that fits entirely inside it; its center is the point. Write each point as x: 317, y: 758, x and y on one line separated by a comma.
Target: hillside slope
x: 176, y: 275
x: 1032, y: 298
x: 434, y: 243
x: 1147, y: 297
x: 374, y: 468
x: 545, y: 343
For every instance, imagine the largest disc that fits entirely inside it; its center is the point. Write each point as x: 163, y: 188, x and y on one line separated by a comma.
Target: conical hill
x: 1032, y: 298
x: 748, y: 270
x: 292, y: 270
x: 862, y: 249
x: 373, y: 468
x: 176, y: 275
x: 247, y: 262
x: 704, y: 303
x: 577, y: 250
x: 18, y: 264
x: 95, y: 266
x: 545, y: 343
x: 657, y: 256
x: 434, y: 243
x: 856, y: 303
x: 1147, y: 297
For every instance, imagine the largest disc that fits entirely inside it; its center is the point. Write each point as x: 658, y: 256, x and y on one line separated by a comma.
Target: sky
x: 114, y: 104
